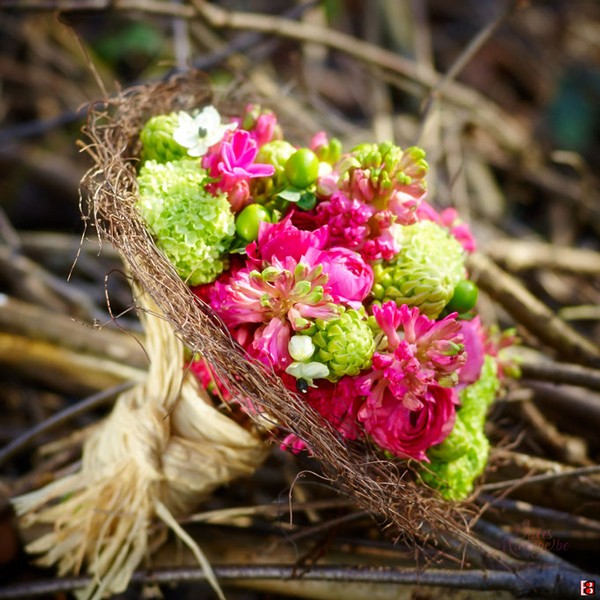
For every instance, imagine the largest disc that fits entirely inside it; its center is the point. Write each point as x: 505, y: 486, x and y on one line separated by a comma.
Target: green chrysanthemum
x: 344, y: 344
x: 461, y: 458
x: 425, y: 271
x: 191, y: 226
x: 157, y: 139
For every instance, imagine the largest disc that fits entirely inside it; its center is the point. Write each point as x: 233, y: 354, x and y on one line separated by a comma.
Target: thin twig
x: 549, y: 581
x: 535, y: 316
x: 542, y: 478
x: 568, y: 520
x: 454, y: 92
x: 521, y: 255
x: 149, y: 6
x: 466, y: 56
x: 518, y: 547
x: 555, y: 372
x: 87, y: 404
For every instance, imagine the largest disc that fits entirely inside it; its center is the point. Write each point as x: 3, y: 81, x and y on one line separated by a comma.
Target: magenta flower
x: 474, y: 340
x: 410, y: 403
x: 270, y: 344
x: 293, y: 444
x: 358, y: 226
x: 283, y: 241
x: 278, y: 299
x: 209, y: 380
x: 233, y: 161
x: 406, y: 432
x: 437, y: 346
x: 347, y: 220
x: 349, y: 277
x: 339, y: 403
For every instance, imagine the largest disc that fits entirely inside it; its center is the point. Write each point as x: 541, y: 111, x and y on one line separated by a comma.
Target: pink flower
x: 260, y: 123
x: 358, y: 226
x: 239, y: 195
x: 406, y: 432
x: 233, y: 161
x: 318, y: 141
x: 279, y: 300
x: 270, y: 344
x: 401, y: 201
x: 327, y: 184
x: 347, y: 220
x: 410, y: 403
x: 339, y: 403
x: 349, y: 277
x: 293, y: 443
x: 474, y: 339
x: 208, y: 379
x: 384, y: 246
x: 403, y: 205
x: 264, y: 128
x: 284, y: 241
x: 436, y: 345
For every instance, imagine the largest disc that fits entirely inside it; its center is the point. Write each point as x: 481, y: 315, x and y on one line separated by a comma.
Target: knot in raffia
x: 162, y: 450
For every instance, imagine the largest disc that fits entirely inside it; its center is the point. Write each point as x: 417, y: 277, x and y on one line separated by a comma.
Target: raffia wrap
x: 161, y: 451
x: 110, y: 191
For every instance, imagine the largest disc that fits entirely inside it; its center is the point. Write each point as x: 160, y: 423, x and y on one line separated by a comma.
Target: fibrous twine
x: 162, y: 450
x: 384, y: 488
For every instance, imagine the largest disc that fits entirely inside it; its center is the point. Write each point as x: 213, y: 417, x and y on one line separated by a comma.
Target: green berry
x: 247, y: 222
x: 302, y: 168
x: 464, y: 297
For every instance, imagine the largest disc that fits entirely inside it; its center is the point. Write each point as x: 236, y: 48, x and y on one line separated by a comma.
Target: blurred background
x: 503, y: 95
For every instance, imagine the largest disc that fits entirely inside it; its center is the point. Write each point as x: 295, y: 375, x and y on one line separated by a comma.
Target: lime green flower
x: 345, y: 343
x: 191, y: 226
x: 425, y: 271
x: 157, y: 139
x: 462, y: 456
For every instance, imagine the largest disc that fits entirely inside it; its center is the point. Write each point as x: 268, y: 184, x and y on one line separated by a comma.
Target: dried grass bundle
x: 385, y: 488
x: 162, y: 450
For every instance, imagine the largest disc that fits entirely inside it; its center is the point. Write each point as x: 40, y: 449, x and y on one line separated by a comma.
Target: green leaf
x: 290, y: 194
x: 307, y: 201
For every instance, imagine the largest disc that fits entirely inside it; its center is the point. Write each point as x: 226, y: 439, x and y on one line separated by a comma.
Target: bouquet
x: 312, y: 288
x: 329, y: 268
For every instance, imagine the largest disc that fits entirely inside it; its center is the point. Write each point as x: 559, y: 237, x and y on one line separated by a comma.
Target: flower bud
x: 301, y: 347
x: 308, y: 371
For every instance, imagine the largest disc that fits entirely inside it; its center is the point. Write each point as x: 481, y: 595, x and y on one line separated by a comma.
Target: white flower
x: 308, y: 371
x: 301, y: 347
x: 198, y: 133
